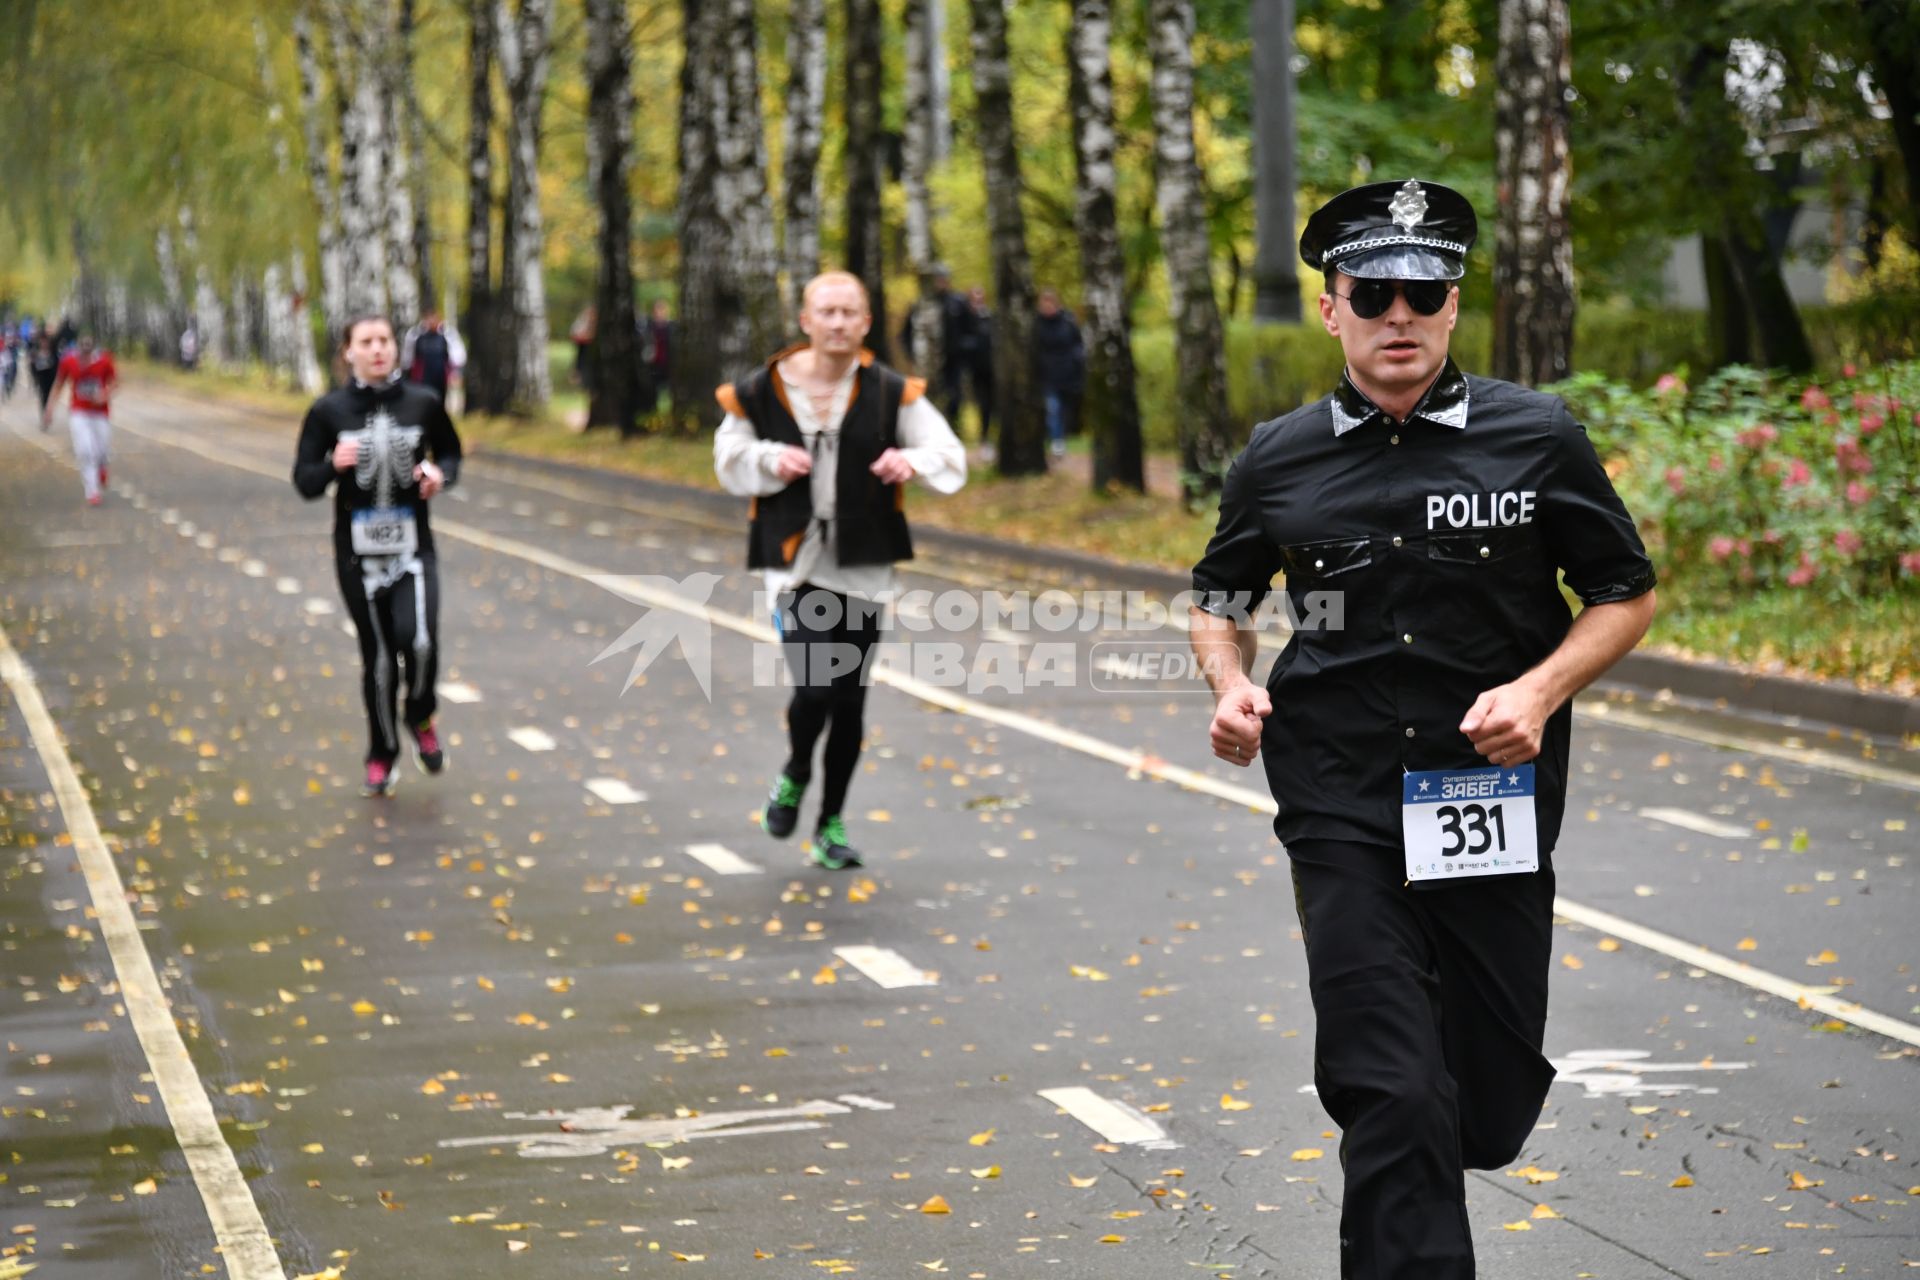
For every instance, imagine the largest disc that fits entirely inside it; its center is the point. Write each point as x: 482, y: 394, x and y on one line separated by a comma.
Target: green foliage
x: 1746, y: 485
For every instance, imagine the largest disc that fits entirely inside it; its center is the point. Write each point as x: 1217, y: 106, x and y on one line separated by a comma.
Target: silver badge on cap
x: 1409, y: 207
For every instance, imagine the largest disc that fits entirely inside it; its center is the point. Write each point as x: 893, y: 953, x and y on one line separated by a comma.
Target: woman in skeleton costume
x: 387, y: 447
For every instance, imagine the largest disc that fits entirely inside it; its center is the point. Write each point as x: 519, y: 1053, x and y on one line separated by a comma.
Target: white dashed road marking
x: 287, y: 586
x: 888, y: 969
x: 532, y: 739
x: 317, y: 607
x: 1115, y: 1121
x: 459, y: 691
x: 721, y: 860
x: 614, y: 791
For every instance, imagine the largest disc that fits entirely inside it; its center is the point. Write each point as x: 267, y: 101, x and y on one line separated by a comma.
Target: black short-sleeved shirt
x: 1444, y: 536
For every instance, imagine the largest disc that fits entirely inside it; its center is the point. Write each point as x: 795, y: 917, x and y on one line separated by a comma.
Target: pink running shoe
x: 426, y: 748
x: 379, y: 777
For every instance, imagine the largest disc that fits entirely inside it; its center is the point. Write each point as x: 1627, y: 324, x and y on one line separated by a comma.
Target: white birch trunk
x: 806, y: 103
x: 1533, y: 246
x: 1206, y: 434
x: 918, y: 148
x: 525, y: 47
x: 326, y: 194
x: 1112, y: 402
x: 742, y: 196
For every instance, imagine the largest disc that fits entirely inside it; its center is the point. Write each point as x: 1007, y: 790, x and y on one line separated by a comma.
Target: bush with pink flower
x: 1745, y: 483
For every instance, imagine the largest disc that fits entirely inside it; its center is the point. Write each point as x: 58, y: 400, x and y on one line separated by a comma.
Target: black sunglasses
x: 1371, y: 298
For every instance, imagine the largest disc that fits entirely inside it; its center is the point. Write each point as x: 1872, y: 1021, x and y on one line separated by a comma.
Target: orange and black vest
x: 870, y: 522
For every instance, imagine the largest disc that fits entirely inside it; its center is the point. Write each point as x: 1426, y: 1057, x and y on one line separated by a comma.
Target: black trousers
x: 1430, y: 1007
x: 828, y: 639
x: 398, y: 618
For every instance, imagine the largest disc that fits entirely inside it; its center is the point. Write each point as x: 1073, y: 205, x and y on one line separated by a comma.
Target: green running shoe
x: 829, y: 848
x: 783, y: 808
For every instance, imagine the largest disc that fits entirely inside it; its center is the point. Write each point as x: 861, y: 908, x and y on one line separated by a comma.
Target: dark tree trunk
x: 1533, y: 247
x: 616, y: 397
x: 806, y: 102
x: 1112, y: 406
x: 1894, y: 30
x: 866, y: 231
x: 1739, y: 222
x: 1729, y: 336
x: 697, y: 366
x: 488, y: 378
x: 1206, y: 428
x: 525, y: 37
x: 1276, y: 262
x: 1017, y: 400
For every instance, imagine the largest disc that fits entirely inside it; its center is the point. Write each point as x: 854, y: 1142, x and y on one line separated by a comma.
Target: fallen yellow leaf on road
x: 982, y: 1138
x: 1230, y: 1103
x: 1522, y: 1225
x: 1801, y: 1182
x: 1544, y: 1211
x: 145, y: 1187
x: 1305, y: 1154
x: 1682, y: 1181
x: 1083, y: 1183
x: 991, y: 1171
x: 936, y: 1204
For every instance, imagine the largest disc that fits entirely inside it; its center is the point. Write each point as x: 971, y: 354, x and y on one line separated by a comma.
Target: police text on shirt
x: 1480, y: 510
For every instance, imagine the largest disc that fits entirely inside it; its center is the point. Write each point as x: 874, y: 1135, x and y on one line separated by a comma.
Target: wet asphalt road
x: 505, y: 1022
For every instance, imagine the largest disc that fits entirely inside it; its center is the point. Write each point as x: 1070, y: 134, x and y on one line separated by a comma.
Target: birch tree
x: 806, y: 106
x: 488, y: 380
x: 1533, y: 248
x: 918, y: 152
x: 1112, y: 404
x: 1206, y: 432
x: 1022, y: 449
x: 361, y: 122
x: 525, y: 48
x: 320, y: 180
x: 384, y: 53
x: 865, y: 162
x: 609, y: 55
x: 697, y: 366
x: 753, y: 262
x: 414, y: 134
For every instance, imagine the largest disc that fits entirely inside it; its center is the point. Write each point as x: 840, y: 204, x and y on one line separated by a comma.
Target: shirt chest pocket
x: 1486, y: 546
x: 1309, y: 562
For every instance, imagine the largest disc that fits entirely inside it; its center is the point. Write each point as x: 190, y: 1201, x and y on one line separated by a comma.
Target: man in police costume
x: 1418, y: 751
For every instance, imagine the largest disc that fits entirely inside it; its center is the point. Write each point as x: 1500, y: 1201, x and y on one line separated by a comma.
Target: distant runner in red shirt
x: 93, y: 377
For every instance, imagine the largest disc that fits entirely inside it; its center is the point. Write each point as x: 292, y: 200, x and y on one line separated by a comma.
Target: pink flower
x: 1668, y: 384
x: 1859, y: 493
x: 1677, y: 480
x: 1758, y: 435
x: 1716, y: 464
x: 1910, y: 564
x: 1798, y: 473
x: 1805, y: 573
x: 1848, y: 369
x: 1720, y: 548
x: 1847, y: 542
x: 1771, y: 537
x: 1870, y: 423
x: 1814, y: 398
x: 1744, y: 546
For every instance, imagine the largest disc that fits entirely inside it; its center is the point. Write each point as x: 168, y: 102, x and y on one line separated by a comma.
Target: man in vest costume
x: 824, y: 439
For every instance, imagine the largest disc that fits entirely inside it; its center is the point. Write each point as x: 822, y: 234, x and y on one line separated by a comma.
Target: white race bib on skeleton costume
x: 384, y: 468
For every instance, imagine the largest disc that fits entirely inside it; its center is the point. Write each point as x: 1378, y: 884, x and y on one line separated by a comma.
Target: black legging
x: 829, y: 640
x: 398, y: 622
x: 43, y: 383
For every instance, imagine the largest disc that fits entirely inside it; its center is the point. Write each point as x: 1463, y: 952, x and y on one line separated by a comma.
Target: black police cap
x: 1410, y: 230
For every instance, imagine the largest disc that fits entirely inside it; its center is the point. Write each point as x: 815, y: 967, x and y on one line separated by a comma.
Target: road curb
x: 1827, y: 702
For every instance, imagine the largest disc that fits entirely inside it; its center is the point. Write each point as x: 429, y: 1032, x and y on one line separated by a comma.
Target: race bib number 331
x: 1469, y: 822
